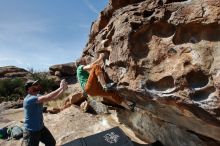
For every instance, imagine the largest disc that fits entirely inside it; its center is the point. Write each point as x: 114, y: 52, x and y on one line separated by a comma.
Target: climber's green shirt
x: 82, y: 76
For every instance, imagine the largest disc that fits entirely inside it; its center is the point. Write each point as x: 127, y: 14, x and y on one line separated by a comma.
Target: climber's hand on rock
x: 84, y: 106
x: 63, y: 84
x: 101, y: 55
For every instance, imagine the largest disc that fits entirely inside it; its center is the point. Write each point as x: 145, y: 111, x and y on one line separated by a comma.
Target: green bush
x: 13, y: 89
x: 9, y: 87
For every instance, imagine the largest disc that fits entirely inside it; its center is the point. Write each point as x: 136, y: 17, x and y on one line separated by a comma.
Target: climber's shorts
x: 94, y: 88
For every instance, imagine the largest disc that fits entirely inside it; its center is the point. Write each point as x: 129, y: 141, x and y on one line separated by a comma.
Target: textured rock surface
x: 166, y: 57
x: 12, y: 71
x: 63, y: 71
x: 67, y: 69
x: 66, y: 126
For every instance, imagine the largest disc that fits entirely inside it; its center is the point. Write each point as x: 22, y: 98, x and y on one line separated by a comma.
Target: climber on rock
x: 92, y: 81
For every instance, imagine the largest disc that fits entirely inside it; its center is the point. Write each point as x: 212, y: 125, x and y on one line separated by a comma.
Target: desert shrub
x: 9, y: 87
x: 12, y: 89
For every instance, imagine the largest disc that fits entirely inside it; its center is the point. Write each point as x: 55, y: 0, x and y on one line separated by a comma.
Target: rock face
x: 165, y: 55
x: 12, y: 71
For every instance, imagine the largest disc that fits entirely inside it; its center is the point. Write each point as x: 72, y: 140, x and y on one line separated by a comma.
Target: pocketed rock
x: 165, y: 56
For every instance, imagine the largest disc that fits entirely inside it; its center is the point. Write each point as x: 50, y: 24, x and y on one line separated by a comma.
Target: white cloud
x: 6, y: 60
x: 22, y: 31
x: 23, y: 26
x: 42, y: 56
x: 10, y: 61
x: 31, y: 42
x: 91, y: 7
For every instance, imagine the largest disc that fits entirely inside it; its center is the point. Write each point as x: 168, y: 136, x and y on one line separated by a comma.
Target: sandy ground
x: 67, y: 125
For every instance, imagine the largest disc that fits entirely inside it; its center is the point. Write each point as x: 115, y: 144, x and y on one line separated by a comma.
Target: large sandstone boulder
x: 12, y: 71
x: 67, y: 69
x: 165, y: 55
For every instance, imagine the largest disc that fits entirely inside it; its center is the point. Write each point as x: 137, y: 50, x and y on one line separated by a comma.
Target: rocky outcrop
x: 165, y: 56
x: 10, y: 105
x: 12, y: 71
x: 63, y: 71
x: 67, y: 69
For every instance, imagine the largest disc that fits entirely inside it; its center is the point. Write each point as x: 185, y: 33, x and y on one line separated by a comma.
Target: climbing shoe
x: 109, y: 87
x: 132, y: 106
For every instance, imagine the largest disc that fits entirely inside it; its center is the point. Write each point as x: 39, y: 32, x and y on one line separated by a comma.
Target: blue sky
x: 40, y: 33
